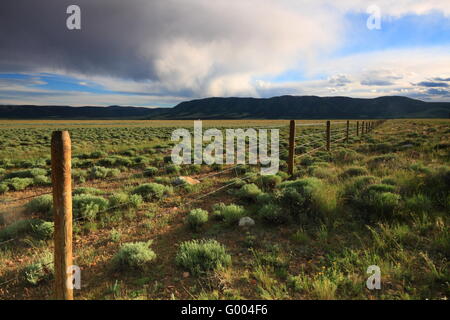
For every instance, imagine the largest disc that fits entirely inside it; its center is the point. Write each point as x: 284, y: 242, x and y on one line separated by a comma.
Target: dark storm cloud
x: 441, y: 79
x: 118, y: 38
x: 431, y: 84
x: 438, y: 92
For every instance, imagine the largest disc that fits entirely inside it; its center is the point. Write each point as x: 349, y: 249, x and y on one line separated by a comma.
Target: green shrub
x: 193, y: 169
x: 217, y: 167
x: 376, y: 201
x: 107, y: 162
x: 115, y: 235
x: 437, y: 185
x: 118, y: 199
x: 19, y: 184
x: 419, y: 203
x: 167, y: 159
x: 98, y: 172
x: 132, y: 256
x: 129, y: 153
x: 39, y: 271
x: 18, y: 229
x: 385, y: 159
x: 82, y: 164
x: 87, y: 190
x: 97, y: 154
x: 383, y: 204
x: 390, y: 181
x: 135, y: 200
x: 249, y: 192
x: 42, y: 204
x: 3, y: 188
x: 420, y: 168
x: 265, y: 198
x: 88, y: 206
x: 152, y: 191
x: 197, y: 218
x: 302, y: 198
x: 173, y: 169
x: 26, y: 173
x: 122, y: 199
x: 42, y: 181
x: 381, y: 188
x: 43, y: 230
x: 307, y: 161
x: 269, y: 182
x: 230, y: 214
x: 273, y: 214
x: 237, y: 183
x: 356, y: 185
x: 322, y: 172
x: 301, y: 237
x: 122, y: 161
x: 354, y: 171
x: 240, y: 170
x: 150, y: 172
x: 217, y: 209
x: 79, y: 175
x: 202, y: 256
x: 141, y: 162
x: 283, y: 175
x: 343, y: 155
x: 164, y: 180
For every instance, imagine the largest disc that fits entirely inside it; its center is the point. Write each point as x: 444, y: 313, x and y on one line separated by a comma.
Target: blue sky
x: 323, y: 49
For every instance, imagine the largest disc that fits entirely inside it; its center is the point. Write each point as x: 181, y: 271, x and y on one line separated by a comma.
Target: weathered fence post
x: 347, y: 132
x: 357, y: 128
x: 362, y: 128
x: 328, y: 135
x: 291, y: 148
x: 62, y: 212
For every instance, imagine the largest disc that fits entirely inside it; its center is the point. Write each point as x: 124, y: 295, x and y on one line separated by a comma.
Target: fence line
x: 340, y: 133
x: 65, y: 250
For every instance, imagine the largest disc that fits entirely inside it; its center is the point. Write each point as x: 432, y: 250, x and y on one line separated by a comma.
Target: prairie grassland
x: 381, y: 199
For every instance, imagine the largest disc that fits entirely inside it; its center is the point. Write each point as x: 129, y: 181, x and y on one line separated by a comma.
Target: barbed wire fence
x: 320, y: 139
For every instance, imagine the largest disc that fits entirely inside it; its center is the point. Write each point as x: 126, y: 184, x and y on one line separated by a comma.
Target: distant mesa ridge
x: 284, y: 107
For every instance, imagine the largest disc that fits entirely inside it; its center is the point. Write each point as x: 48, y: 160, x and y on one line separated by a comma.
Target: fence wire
x: 188, y: 203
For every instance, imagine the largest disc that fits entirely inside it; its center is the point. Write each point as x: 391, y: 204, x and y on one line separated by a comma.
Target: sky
x: 158, y: 53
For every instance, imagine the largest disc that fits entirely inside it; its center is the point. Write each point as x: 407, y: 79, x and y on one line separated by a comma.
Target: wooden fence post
x: 357, y: 128
x: 62, y: 211
x: 291, y: 148
x: 347, y: 132
x: 362, y: 128
x: 328, y: 135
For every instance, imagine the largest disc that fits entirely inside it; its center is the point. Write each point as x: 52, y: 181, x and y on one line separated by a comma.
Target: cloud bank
x: 171, y: 50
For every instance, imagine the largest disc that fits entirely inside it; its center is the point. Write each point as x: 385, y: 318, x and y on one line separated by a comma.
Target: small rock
x: 246, y: 222
x: 185, y: 180
x: 186, y: 274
